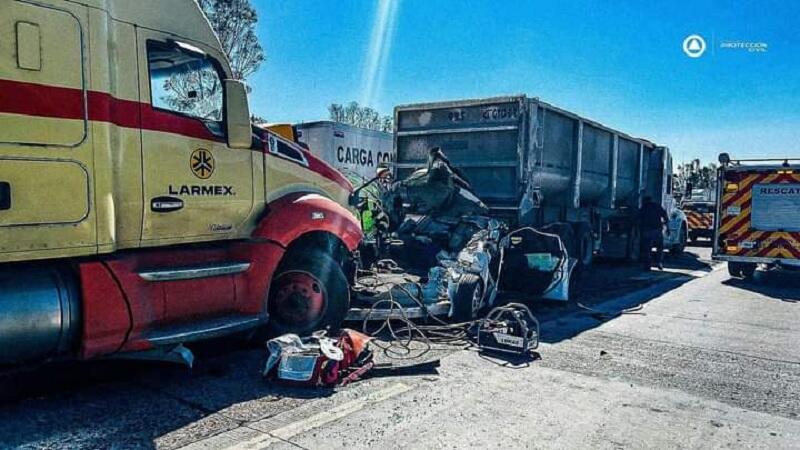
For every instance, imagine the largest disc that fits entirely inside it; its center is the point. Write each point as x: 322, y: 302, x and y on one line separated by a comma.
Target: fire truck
x: 757, y: 205
x: 699, y: 217
x: 139, y: 208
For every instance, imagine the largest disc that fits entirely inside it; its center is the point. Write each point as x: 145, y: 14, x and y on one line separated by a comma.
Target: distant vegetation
x: 700, y: 177
x: 235, y: 21
x: 360, y: 116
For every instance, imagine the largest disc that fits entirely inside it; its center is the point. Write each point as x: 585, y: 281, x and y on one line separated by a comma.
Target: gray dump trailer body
x: 535, y: 164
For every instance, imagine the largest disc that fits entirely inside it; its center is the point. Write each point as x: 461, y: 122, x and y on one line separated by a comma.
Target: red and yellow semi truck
x: 758, y: 206
x: 139, y: 209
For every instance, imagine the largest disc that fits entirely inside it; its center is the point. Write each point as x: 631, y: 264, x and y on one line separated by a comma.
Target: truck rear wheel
x: 309, y: 293
x: 741, y: 270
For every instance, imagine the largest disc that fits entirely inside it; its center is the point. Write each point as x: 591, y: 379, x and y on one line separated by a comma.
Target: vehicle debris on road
x: 318, y: 360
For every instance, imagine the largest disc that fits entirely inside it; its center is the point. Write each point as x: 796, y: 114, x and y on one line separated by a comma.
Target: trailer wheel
x: 634, y: 245
x: 585, y: 244
x: 741, y: 270
x: 309, y: 293
x: 467, y: 300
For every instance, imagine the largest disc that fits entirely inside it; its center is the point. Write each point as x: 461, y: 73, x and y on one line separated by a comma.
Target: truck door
x: 196, y: 188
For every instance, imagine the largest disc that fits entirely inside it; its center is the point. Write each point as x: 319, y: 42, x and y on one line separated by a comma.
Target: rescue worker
x: 652, y: 219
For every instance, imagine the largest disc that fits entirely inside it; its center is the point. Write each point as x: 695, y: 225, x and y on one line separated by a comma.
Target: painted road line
x: 243, y: 439
x: 339, y: 412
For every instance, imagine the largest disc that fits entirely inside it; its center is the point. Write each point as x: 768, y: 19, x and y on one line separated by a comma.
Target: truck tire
x: 634, y: 245
x: 677, y: 249
x: 467, y: 300
x: 309, y: 293
x: 585, y: 238
x: 741, y: 270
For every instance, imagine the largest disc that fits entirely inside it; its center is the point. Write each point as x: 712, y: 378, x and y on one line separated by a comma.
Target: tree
x: 360, y: 116
x: 234, y: 21
x: 699, y: 176
x: 258, y: 120
x: 195, y: 88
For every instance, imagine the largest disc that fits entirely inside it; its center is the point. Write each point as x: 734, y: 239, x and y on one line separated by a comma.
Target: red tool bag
x: 318, y: 360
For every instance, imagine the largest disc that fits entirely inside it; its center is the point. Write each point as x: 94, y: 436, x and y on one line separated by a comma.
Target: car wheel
x: 468, y: 298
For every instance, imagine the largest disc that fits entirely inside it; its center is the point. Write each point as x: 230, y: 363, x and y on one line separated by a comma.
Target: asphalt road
x: 705, y: 362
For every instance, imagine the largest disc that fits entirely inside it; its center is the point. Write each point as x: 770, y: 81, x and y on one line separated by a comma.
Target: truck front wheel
x: 309, y: 293
x: 678, y: 248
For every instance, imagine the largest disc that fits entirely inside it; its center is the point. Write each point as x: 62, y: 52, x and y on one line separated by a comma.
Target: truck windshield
x: 699, y: 207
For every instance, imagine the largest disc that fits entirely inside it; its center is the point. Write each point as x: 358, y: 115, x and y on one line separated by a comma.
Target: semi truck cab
x: 139, y: 208
x: 119, y: 129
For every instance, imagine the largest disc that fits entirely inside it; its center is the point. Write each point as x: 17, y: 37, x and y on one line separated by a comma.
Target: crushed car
x: 436, y: 251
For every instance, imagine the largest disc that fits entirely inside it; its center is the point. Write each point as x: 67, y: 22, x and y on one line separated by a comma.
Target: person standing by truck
x: 652, y: 219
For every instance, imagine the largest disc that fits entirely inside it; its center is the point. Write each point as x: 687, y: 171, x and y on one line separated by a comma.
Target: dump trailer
x: 356, y: 152
x: 537, y: 165
x: 758, y: 206
x: 139, y: 208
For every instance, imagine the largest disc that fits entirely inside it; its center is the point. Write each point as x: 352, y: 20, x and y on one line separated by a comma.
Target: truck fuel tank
x: 39, y: 314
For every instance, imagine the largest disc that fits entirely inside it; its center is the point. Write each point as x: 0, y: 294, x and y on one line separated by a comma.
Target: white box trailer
x: 354, y: 151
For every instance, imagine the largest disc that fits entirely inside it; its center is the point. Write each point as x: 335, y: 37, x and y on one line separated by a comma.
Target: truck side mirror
x: 237, y: 115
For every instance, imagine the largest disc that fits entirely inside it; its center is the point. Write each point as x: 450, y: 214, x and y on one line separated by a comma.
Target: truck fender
x: 294, y: 215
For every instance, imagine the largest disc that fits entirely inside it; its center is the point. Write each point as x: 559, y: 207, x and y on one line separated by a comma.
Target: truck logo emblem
x: 202, y: 163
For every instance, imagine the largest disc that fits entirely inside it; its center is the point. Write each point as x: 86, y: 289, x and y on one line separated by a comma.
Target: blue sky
x: 617, y: 62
